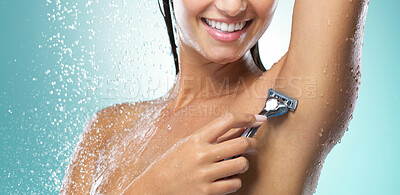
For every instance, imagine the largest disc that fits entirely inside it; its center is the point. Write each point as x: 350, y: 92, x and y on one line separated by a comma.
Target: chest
x: 127, y: 154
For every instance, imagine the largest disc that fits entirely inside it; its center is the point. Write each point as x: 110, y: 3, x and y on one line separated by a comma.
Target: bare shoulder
x: 112, y: 119
x: 101, y: 126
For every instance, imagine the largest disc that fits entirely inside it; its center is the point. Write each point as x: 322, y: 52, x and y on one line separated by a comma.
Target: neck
x: 202, y: 80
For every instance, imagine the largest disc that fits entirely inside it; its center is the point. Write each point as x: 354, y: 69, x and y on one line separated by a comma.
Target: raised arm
x: 322, y: 70
x: 326, y: 39
x: 323, y: 64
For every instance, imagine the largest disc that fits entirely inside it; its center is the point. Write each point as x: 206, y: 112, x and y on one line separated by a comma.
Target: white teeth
x: 218, y: 25
x: 225, y: 27
x: 237, y: 26
x: 231, y: 27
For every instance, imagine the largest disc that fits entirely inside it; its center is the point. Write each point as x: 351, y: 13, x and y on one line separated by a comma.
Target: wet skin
x: 321, y: 70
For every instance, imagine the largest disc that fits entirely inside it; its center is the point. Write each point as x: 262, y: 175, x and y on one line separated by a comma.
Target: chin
x: 223, y: 59
x: 223, y: 55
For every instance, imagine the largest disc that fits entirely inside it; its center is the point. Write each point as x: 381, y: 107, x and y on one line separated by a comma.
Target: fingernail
x: 260, y: 117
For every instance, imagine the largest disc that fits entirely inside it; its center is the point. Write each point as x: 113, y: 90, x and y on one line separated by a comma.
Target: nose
x: 231, y: 7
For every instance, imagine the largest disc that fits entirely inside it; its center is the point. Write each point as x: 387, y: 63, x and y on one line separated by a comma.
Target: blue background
x: 63, y: 61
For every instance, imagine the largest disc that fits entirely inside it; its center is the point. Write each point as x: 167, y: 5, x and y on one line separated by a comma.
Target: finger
x: 228, y: 168
x: 226, y: 186
x: 225, y: 122
x: 234, y: 147
x: 236, y: 133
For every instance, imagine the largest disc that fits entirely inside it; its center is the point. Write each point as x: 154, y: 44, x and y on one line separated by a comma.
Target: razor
x: 277, y: 104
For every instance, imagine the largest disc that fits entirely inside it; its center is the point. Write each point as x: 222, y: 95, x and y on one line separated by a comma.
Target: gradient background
x: 61, y: 61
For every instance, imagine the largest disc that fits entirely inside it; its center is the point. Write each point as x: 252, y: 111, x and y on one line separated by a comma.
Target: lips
x: 225, y: 32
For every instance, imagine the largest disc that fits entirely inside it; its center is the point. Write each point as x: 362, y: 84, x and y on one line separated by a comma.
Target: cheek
x: 186, y: 13
x: 188, y: 22
x: 188, y: 10
x: 264, y: 9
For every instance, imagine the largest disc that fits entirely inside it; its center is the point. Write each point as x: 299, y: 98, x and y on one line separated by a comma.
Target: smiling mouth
x: 225, y: 27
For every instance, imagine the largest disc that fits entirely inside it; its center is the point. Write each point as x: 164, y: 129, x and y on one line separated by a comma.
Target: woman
x: 176, y: 144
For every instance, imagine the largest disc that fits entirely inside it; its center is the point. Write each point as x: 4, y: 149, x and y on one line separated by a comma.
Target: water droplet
x: 324, y: 71
x: 169, y: 127
x: 329, y: 22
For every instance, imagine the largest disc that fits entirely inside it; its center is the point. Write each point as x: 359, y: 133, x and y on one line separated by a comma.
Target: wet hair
x: 168, y: 22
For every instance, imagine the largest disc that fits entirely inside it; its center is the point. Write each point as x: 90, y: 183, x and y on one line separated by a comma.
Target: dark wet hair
x: 168, y: 22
